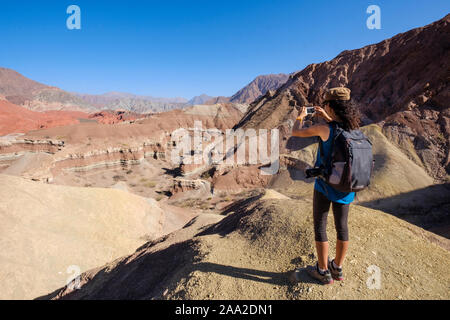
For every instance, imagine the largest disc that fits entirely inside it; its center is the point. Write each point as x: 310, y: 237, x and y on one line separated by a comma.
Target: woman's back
x: 320, y: 185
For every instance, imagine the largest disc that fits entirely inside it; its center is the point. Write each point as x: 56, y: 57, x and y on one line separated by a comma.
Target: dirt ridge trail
x: 249, y: 253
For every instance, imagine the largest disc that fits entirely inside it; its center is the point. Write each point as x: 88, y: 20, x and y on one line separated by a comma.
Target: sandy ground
x: 46, y: 229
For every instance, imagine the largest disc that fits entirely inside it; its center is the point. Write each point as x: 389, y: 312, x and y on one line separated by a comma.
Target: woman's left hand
x: 302, y: 113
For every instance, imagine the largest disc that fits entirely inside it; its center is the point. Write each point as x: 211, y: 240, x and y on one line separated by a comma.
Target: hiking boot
x: 324, y: 278
x: 336, y: 273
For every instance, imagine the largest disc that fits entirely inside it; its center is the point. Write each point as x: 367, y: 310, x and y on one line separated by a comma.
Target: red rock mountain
x: 401, y: 83
x: 18, y: 119
x: 37, y: 96
x: 16, y: 88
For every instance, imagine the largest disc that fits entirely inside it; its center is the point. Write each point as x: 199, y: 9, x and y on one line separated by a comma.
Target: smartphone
x: 310, y: 110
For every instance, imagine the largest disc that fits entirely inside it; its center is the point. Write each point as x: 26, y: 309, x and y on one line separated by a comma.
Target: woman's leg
x: 321, y: 206
x: 340, y: 212
x: 322, y: 254
x: 341, y: 251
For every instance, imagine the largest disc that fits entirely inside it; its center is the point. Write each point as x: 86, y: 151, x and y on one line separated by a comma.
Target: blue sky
x: 185, y: 48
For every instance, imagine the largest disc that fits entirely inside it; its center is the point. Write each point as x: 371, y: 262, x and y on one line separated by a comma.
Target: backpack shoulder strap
x: 337, y: 126
x: 337, y: 131
x: 321, y: 149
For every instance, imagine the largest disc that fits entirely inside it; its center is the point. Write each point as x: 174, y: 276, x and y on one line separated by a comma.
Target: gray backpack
x: 350, y: 165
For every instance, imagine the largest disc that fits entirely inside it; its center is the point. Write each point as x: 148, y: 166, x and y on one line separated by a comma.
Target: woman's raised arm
x: 320, y: 130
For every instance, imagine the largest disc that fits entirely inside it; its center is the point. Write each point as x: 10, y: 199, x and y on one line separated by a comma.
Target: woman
x: 339, y: 108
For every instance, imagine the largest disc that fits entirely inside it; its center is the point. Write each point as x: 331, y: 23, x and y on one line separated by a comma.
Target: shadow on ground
x: 275, y: 278
x: 428, y: 208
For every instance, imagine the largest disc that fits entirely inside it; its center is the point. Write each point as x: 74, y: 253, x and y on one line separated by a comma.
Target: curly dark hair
x: 348, y: 112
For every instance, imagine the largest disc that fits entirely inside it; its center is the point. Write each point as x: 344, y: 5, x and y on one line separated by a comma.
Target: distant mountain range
x: 36, y: 96
x: 255, y: 89
x: 131, y: 102
x: 101, y: 100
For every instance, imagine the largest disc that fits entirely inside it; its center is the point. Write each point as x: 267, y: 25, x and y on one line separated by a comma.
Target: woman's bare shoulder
x: 323, y: 130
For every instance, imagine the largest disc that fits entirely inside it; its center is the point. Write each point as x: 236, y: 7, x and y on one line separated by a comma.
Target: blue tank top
x: 320, y: 185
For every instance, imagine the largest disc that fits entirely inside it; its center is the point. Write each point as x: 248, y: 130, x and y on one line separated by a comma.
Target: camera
x: 314, y: 172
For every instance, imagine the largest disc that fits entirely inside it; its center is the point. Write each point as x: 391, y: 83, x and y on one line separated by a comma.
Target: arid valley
x: 88, y: 185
